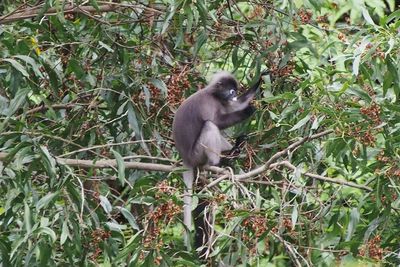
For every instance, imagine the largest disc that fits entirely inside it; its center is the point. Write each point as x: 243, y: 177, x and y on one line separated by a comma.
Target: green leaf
x: 105, y: 46
x: 49, y: 163
x: 18, y: 101
x: 53, y: 77
x: 284, y: 96
x: 31, y: 61
x: 44, y: 201
x: 5, y: 252
x: 147, y: 96
x: 354, y: 219
x: 131, y: 246
x: 171, y: 14
x: 116, y: 226
x: 121, y: 166
x: 130, y: 218
x: 235, y: 57
x: 64, y: 232
x: 373, y: 225
x: 47, y: 231
x: 367, y: 17
x: 43, y: 10
x: 44, y: 253
x: 105, y: 204
x: 75, y: 67
x: 356, y: 65
x: 201, y: 40
x: 17, y: 66
x: 202, y: 9
x: 160, y: 85
x: 387, y: 82
x: 27, y: 217
x: 295, y: 214
x: 394, y: 15
x: 301, y: 123
x: 133, y: 122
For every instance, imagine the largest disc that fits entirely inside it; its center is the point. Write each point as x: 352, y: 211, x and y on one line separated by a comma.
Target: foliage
x: 97, y: 85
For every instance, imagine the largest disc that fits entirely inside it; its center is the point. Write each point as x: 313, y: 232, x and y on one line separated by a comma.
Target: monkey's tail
x: 202, y: 228
x: 188, y: 178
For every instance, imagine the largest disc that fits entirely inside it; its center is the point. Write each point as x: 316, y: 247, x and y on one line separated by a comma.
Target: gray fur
x: 197, y: 125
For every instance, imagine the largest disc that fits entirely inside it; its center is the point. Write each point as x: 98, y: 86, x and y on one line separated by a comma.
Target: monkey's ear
x: 219, y: 85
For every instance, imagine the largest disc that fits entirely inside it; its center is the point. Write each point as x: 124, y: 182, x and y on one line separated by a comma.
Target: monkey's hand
x: 234, y: 153
x: 249, y: 110
x: 239, y: 143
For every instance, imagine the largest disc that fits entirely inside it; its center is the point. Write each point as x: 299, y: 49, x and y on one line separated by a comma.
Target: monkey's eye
x: 232, y: 92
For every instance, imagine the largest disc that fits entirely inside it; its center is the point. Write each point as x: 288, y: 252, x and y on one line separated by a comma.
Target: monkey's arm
x: 249, y: 94
x: 226, y: 120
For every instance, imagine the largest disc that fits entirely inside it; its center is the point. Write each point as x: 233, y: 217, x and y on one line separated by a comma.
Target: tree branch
x: 281, y: 153
x: 43, y: 108
x: 111, y: 163
x: 32, y: 12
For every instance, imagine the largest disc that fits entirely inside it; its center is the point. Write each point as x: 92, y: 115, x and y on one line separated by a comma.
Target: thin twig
x: 56, y: 106
x: 69, y: 8
x: 105, y: 145
x: 323, y: 178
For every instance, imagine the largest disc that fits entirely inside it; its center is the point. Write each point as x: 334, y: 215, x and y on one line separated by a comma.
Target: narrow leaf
x: 64, y: 233
x: 44, y: 201
x: 160, y: 85
x: 121, y: 166
x: 354, y: 218
x: 132, y: 221
x: 105, y: 204
x: 367, y: 17
x: 133, y: 122
x: 295, y: 214
x: 32, y: 62
x: 301, y: 123
x: 47, y: 231
x: 49, y: 162
x: 17, y: 66
x: 17, y: 102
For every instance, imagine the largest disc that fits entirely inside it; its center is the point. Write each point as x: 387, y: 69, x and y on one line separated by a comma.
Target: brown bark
x: 32, y: 12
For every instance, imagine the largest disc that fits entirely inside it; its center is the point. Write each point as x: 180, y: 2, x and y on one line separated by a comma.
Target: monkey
x: 196, y: 129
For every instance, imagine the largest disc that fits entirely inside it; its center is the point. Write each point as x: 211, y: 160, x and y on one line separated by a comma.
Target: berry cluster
x: 257, y: 12
x: 305, y: 15
x: 162, y: 215
x: 372, y: 249
x: 177, y: 84
x: 283, y: 72
x: 322, y: 19
x: 98, y: 236
x: 373, y: 112
x: 342, y: 37
x: 163, y: 188
x: 257, y: 223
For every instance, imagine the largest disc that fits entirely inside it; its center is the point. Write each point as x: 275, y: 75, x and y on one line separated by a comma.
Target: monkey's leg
x: 225, y: 145
x: 210, y: 143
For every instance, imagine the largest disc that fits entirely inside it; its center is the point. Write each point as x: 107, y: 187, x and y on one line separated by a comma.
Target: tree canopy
x: 89, y: 175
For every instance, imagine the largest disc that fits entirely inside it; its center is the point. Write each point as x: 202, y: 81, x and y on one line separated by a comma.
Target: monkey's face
x: 227, y: 90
